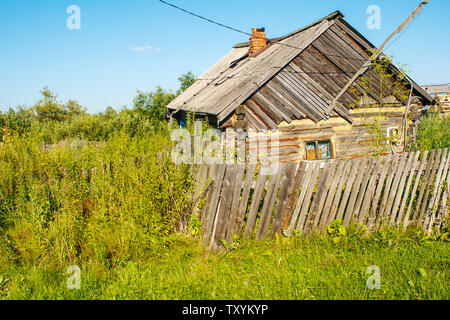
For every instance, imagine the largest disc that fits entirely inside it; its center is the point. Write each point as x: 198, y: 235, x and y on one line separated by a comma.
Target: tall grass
x: 296, y: 268
x: 433, y: 132
x: 102, y: 204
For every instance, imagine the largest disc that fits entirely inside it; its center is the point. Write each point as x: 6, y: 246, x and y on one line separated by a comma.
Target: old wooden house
x: 287, y: 85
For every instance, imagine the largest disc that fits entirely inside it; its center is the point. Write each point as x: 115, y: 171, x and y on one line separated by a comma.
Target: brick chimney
x: 258, y: 40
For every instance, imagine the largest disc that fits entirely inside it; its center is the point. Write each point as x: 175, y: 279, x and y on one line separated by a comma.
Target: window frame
x: 316, y: 148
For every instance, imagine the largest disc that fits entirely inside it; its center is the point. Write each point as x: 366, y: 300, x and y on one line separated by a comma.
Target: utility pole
x: 375, y: 55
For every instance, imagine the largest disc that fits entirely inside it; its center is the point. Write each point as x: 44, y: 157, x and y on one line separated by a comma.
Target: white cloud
x: 145, y: 49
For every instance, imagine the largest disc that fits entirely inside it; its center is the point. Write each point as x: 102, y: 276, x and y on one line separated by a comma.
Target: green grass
x: 296, y: 268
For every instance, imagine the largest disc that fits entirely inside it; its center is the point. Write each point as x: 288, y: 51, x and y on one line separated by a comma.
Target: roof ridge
x: 336, y: 14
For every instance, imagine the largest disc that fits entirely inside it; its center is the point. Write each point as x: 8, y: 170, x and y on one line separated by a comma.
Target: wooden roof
x: 437, y: 88
x: 293, y: 77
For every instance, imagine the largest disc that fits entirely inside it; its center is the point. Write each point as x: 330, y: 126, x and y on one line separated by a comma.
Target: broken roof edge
x: 336, y: 14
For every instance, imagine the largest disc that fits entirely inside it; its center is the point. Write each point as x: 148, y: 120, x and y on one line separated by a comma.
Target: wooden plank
x: 363, y: 208
x: 340, y: 189
x: 394, y: 187
x: 298, y: 181
x: 254, y: 119
x: 413, y: 192
x: 289, y: 170
x: 424, y: 185
x: 243, y: 203
x: 348, y: 188
x: 341, y: 25
x: 315, y: 212
x: 444, y: 203
x: 408, y: 186
x: 356, y: 190
x: 276, y: 99
x: 309, y: 169
x: 322, y: 202
x: 431, y: 214
x: 296, y: 112
x: 282, y: 88
x: 211, y: 173
x: 264, y: 117
x: 269, y: 204
x: 300, y: 88
x: 256, y: 200
x: 348, y: 44
x: 331, y: 194
x: 244, y: 87
x: 303, y: 103
x: 387, y: 188
x: 212, y: 212
x: 225, y: 203
x: 273, y: 107
x: 371, y: 224
x: 307, y: 199
x: 400, y: 189
x: 322, y: 92
x: 430, y: 186
x: 235, y: 202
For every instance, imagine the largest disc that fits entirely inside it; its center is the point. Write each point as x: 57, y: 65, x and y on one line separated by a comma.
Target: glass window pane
x: 325, y: 149
x: 310, y: 151
x: 310, y: 145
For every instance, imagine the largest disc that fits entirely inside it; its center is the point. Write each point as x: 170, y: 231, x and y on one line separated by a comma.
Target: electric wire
x: 404, y: 30
x: 249, y: 34
x: 287, y: 45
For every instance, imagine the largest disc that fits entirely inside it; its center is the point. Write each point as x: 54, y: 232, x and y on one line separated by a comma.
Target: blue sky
x: 124, y: 46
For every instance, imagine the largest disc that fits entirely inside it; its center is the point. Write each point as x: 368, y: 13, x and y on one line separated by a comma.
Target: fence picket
x: 309, y: 170
x: 340, y: 189
x: 225, y: 204
x: 355, y: 191
x: 424, y: 183
x: 308, y: 196
x: 387, y: 188
x: 429, y: 186
x: 321, y: 192
x: 211, y: 216
x: 256, y: 200
x: 268, y: 206
x: 243, y: 203
x: 307, y: 199
x: 366, y: 200
x: 348, y: 188
x: 234, y: 202
x: 285, y: 192
x: 371, y: 224
x: 413, y: 192
x: 395, y: 206
x: 408, y: 186
x: 331, y: 195
x: 394, y: 186
x: 431, y: 215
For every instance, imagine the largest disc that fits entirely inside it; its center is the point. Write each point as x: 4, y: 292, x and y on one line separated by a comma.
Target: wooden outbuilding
x: 287, y: 84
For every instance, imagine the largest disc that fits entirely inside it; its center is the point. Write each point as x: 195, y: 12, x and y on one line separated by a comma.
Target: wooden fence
x: 398, y: 190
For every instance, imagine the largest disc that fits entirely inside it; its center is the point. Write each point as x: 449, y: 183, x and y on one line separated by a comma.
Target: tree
x: 153, y: 104
x: 48, y: 108
x: 186, y: 80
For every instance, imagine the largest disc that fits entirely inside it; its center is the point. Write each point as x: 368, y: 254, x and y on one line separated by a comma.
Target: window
x: 318, y: 150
